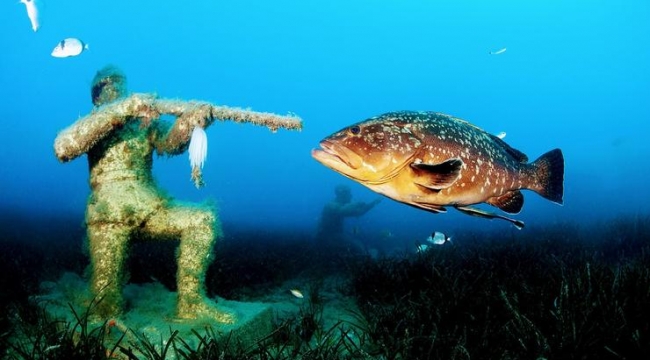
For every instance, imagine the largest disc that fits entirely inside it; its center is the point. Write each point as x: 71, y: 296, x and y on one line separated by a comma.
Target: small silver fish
x: 501, y: 135
x: 498, y: 52
x: 297, y: 293
x: 69, y: 47
x: 32, y: 13
x: 438, y: 238
x: 421, y: 248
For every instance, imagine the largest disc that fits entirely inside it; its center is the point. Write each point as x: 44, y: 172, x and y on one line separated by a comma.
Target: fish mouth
x: 334, y: 156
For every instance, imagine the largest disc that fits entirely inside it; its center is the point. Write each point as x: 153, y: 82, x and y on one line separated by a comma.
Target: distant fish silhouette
x: 498, y: 52
x: 32, y: 13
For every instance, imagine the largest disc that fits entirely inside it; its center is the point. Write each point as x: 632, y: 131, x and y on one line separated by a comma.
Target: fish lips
x: 336, y: 156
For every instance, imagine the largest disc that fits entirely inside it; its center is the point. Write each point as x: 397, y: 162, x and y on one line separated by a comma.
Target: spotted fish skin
x: 431, y: 160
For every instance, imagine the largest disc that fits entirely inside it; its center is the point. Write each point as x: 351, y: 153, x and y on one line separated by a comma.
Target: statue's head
x: 108, y: 85
x: 343, y: 194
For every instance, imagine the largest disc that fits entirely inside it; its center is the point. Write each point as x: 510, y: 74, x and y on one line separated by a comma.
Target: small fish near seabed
x: 438, y: 238
x: 69, y: 47
x: 297, y: 293
x: 421, y: 248
x: 32, y: 13
x: 430, y: 160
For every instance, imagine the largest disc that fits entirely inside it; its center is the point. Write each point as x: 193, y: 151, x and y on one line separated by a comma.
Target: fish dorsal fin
x: 518, y: 155
x: 510, y: 202
x: 437, y: 176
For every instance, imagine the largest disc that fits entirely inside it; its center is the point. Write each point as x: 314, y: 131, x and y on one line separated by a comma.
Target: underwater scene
x: 325, y: 179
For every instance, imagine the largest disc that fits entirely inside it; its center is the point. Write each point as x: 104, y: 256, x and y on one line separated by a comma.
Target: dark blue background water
x: 575, y: 76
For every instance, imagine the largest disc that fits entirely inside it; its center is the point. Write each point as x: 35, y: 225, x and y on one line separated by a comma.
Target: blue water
x: 574, y: 76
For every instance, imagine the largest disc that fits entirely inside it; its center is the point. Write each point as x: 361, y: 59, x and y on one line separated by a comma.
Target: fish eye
x: 355, y: 130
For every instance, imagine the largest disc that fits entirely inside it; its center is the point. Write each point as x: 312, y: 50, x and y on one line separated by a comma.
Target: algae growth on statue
x: 119, y: 137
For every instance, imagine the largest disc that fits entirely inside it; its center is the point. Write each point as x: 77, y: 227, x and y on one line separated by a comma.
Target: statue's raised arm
x: 113, y: 112
x: 81, y: 136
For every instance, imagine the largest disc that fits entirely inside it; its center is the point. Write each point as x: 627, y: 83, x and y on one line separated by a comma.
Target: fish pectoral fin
x: 437, y: 176
x: 489, y: 215
x: 510, y: 202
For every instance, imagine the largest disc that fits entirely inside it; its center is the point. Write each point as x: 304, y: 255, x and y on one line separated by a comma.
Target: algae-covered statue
x: 120, y: 136
x: 330, y: 226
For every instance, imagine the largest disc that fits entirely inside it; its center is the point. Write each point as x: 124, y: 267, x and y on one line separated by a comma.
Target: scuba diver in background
x: 331, y: 224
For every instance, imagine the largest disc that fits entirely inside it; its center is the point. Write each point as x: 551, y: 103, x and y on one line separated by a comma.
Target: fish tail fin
x: 548, y: 175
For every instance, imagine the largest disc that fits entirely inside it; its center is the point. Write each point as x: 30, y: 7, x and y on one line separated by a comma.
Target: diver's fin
x: 437, y: 176
x: 549, y: 170
x: 489, y: 215
x: 510, y: 202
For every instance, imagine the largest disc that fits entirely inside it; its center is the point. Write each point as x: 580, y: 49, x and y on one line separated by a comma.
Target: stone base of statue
x: 150, y: 316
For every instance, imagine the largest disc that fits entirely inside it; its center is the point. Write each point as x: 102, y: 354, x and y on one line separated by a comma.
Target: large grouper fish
x: 431, y: 160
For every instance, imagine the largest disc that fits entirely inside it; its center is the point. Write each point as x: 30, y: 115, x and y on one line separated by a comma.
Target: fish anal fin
x: 428, y: 207
x: 489, y: 215
x: 510, y: 202
x: 437, y: 176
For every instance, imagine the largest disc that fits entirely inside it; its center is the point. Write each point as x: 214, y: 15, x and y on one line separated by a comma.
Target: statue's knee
x: 205, y: 222
x: 108, y: 235
x: 207, y: 217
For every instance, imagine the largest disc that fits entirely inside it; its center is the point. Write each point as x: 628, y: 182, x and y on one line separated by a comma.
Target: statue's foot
x: 202, y: 309
x: 105, y: 309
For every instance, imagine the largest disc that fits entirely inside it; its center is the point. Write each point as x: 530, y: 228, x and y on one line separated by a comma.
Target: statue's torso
x: 126, y: 154
x: 121, y: 177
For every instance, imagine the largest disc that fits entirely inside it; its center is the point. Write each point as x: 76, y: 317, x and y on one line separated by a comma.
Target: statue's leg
x: 197, y: 228
x: 108, y: 245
